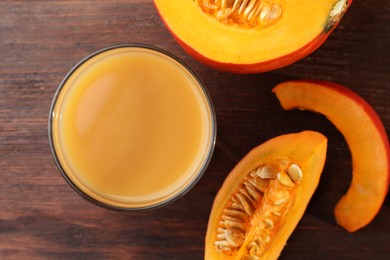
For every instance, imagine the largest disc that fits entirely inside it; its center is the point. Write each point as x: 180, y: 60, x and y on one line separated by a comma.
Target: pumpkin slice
x: 249, y: 36
x: 264, y: 197
x: 365, y: 136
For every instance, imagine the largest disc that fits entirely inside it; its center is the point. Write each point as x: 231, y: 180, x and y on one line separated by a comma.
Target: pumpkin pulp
x: 264, y: 197
x: 247, y: 36
x: 365, y: 136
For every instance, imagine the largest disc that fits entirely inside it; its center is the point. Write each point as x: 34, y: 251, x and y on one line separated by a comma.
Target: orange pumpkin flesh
x: 365, y: 136
x: 254, y: 214
x: 250, y: 36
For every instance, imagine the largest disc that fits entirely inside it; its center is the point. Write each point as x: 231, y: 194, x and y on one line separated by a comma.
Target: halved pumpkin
x: 250, y: 36
x: 264, y: 197
x: 365, y: 136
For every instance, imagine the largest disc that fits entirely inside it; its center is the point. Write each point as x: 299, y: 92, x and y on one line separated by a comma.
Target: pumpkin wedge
x: 250, y: 36
x: 365, y: 136
x: 264, y: 197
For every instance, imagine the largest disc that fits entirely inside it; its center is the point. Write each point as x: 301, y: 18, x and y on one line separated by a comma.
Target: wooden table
x: 41, y: 217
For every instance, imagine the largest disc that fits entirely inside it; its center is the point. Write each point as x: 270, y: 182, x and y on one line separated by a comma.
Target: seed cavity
x: 260, y: 203
x: 246, y: 13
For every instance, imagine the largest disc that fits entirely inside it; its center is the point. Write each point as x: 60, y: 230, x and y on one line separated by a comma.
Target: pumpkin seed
x: 234, y: 237
x: 223, y: 13
x: 249, y: 198
x: 243, y: 6
x: 227, y: 217
x: 295, y: 172
x: 264, y: 13
x: 229, y: 224
x: 267, y: 172
x: 221, y: 236
x: 280, y: 201
x: 222, y: 246
x: 210, y: 6
x: 257, y: 182
x: 275, y: 12
x: 285, y: 180
x: 259, y: 241
x: 237, y: 4
x: 255, y: 11
x: 247, y: 207
x: 268, y: 223
x: 235, y: 213
x: 275, y: 212
x: 237, y: 206
x: 253, y: 192
x: 267, y: 238
x: 250, y: 7
x: 254, y: 252
x: 280, y: 194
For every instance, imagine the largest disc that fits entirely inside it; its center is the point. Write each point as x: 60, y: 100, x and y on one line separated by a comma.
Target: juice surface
x: 131, y: 127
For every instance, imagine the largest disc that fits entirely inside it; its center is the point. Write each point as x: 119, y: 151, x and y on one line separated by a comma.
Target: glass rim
x: 197, y: 175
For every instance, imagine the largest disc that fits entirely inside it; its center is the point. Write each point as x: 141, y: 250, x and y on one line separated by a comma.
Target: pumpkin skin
x: 301, y: 29
x: 306, y: 149
x: 365, y: 136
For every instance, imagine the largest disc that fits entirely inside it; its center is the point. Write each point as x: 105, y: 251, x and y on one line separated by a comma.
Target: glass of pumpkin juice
x: 132, y: 127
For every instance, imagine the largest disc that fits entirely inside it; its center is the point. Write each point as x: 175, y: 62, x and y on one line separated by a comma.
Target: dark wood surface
x: 41, y: 217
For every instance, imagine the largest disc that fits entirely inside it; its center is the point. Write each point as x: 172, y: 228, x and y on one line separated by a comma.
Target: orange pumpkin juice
x: 131, y: 127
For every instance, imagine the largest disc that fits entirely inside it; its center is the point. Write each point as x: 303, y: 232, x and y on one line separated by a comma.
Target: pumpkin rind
x: 365, y: 136
x: 306, y: 149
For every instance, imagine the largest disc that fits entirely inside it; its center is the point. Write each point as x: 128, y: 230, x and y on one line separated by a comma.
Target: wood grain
x: 41, y: 217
